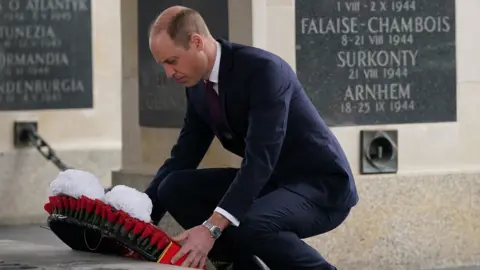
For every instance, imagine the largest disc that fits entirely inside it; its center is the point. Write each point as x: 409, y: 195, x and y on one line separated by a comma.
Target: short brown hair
x: 181, y: 26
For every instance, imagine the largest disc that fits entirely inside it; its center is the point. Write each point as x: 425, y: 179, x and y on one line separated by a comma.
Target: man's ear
x: 196, y: 42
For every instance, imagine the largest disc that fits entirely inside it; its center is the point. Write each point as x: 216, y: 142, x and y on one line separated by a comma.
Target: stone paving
x: 24, y: 255
x: 38, y: 247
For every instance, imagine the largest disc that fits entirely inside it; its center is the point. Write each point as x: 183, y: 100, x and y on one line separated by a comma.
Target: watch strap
x: 215, y: 231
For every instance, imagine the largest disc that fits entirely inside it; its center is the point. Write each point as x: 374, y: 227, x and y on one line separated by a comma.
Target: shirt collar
x: 216, y: 65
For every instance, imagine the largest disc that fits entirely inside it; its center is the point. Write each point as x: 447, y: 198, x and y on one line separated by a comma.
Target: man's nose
x: 169, y: 71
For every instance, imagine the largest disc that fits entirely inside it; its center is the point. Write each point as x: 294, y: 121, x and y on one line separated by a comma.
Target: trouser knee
x: 253, y: 234
x: 169, y: 190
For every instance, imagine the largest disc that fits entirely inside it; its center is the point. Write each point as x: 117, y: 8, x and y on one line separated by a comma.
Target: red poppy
x: 128, y: 225
x: 112, y: 215
x: 48, y: 207
x: 139, y: 227
x: 66, y: 204
x: 147, y: 231
x: 73, y: 205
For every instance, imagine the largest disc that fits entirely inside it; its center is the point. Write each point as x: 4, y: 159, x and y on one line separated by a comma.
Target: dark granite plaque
x: 45, y: 54
x: 378, y: 62
x: 162, y: 101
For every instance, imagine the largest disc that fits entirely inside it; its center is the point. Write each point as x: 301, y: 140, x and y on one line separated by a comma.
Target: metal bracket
x: 21, y: 133
x: 379, y: 151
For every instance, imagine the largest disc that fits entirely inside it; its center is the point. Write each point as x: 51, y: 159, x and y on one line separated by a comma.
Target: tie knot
x: 209, y: 83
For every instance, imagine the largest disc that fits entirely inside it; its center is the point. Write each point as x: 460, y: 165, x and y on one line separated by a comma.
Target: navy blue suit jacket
x: 273, y: 125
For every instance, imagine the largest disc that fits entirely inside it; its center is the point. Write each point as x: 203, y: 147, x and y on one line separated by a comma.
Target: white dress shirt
x: 214, y: 79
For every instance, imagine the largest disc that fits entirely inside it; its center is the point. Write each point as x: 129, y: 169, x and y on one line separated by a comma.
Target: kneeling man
x: 294, y: 181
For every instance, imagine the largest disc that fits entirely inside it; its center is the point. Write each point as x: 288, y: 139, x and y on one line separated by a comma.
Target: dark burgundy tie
x: 213, y: 103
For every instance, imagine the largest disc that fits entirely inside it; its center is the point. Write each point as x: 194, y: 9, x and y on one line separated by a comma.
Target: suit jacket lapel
x: 226, y: 62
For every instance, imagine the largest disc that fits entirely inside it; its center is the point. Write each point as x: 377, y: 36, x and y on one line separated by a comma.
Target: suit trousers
x: 272, y: 229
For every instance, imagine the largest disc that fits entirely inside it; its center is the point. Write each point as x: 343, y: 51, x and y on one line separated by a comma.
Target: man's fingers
x: 190, y: 259
x: 184, y: 250
x: 180, y: 237
x: 203, y: 262
x: 196, y: 261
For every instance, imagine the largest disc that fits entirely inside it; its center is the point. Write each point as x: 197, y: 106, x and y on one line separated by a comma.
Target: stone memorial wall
x: 45, y: 54
x: 375, y: 62
x: 162, y: 101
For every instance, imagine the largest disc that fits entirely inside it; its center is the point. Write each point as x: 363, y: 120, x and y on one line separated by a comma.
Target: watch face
x: 216, y: 232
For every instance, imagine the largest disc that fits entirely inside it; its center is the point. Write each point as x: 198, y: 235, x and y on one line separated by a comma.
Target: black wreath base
x: 82, y: 236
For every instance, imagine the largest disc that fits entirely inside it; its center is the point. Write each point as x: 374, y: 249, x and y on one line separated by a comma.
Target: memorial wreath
x: 116, y: 222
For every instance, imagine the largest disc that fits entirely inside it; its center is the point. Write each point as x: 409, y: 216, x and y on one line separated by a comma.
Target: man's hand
x: 197, y: 244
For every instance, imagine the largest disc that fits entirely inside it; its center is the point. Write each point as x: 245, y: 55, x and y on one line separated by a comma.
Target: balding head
x: 179, y: 23
x: 179, y: 40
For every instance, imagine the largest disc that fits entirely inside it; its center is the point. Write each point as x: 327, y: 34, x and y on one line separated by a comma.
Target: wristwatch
x: 214, y: 230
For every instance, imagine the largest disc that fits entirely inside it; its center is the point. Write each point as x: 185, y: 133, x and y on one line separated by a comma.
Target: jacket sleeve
x: 192, y: 144
x: 269, y: 101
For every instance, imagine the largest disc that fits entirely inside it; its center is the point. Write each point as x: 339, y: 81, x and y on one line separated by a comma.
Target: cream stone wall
x: 425, y: 216
x: 88, y: 139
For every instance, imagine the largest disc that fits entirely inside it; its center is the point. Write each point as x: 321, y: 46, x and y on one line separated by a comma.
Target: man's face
x: 185, y: 66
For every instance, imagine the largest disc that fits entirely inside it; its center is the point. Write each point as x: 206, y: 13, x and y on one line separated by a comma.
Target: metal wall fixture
x: 378, y: 151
